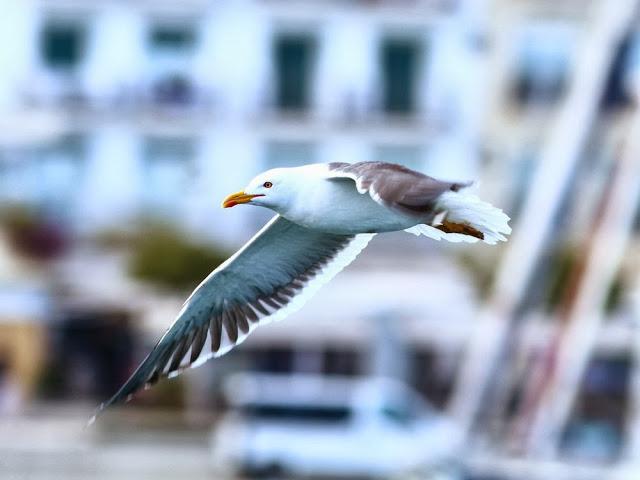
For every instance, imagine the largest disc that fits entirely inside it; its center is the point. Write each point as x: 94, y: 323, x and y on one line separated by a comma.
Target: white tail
x: 466, y: 209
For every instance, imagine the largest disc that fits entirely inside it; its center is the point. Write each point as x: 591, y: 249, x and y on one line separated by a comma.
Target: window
x: 341, y: 362
x: 399, y: 65
x: 62, y: 44
x: 289, y: 154
x: 411, y: 156
x: 172, y: 37
x: 91, y: 354
x: 274, y: 360
x: 167, y: 168
x: 174, y: 89
x: 307, y: 413
x: 596, y: 429
x: 58, y: 169
x: 432, y: 373
x: 171, y: 47
x: 617, y: 93
x: 293, y: 59
x: 542, y: 66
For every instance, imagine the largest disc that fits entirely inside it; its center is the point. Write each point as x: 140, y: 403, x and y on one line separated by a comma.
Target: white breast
x: 336, y: 206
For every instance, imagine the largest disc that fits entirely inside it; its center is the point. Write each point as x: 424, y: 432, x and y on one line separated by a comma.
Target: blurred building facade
x: 115, y: 113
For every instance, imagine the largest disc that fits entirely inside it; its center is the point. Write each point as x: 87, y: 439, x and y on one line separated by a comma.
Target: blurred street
x: 55, y: 446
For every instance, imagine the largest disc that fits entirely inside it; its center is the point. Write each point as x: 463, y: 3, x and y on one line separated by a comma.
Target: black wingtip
x: 94, y: 417
x: 126, y: 392
x: 103, y: 406
x: 137, y: 381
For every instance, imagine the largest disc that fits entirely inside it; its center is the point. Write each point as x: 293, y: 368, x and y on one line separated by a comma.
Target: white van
x: 329, y: 426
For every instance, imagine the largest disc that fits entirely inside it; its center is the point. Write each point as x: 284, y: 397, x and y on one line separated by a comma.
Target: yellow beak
x: 237, y: 198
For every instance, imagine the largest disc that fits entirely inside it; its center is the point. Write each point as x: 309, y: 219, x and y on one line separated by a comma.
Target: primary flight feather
x: 326, y: 214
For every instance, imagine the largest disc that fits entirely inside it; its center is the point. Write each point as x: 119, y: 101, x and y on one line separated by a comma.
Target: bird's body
x: 333, y: 205
x: 326, y: 215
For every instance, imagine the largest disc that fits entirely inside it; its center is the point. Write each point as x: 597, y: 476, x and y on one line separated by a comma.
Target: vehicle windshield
x: 298, y: 413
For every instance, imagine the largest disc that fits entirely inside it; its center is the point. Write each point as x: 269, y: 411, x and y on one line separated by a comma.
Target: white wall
x: 112, y: 179
x: 116, y: 51
x: 17, y: 23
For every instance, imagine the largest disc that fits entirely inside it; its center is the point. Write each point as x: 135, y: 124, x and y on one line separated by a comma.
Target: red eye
x: 267, y: 184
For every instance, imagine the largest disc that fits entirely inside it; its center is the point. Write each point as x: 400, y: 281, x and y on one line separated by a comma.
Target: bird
x: 326, y: 214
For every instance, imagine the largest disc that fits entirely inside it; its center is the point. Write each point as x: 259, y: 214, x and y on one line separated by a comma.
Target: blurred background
x: 123, y: 124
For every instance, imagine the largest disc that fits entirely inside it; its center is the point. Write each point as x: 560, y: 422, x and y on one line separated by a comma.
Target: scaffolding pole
x: 560, y: 153
x: 584, y: 318
x: 631, y: 452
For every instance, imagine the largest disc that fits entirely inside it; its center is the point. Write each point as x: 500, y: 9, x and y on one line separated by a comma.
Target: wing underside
x: 280, y: 268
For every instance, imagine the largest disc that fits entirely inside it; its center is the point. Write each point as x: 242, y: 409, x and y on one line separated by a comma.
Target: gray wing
x: 394, y: 186
x: 280, y: 268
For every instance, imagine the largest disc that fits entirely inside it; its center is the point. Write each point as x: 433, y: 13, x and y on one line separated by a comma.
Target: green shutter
x: 62, y: 45
x: 294, y: 63
x: 399, y: 70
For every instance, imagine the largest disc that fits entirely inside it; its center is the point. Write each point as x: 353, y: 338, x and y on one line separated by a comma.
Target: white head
x: 274, y: 189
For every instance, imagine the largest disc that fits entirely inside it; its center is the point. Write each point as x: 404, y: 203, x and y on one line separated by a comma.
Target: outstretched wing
x: 280, y: 268
x: 394, y: 186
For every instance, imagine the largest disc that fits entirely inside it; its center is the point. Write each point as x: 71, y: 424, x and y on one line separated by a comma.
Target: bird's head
x: 273, y: 189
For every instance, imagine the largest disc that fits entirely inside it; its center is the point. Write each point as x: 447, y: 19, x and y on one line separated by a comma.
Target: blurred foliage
x: 561, y: 266
x: 482, y: 269
x: 50, y: 383
x: 31, y: 234
x: 616, y: 294
x: 167, y: 393
x: 166, y: 258
x: 563, y: 262
x: 114, y: 239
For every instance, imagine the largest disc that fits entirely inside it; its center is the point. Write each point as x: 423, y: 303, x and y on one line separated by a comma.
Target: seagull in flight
x: 326, y: 214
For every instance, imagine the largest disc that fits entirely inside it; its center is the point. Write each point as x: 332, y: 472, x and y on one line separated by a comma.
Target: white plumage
x: 466, y: 208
